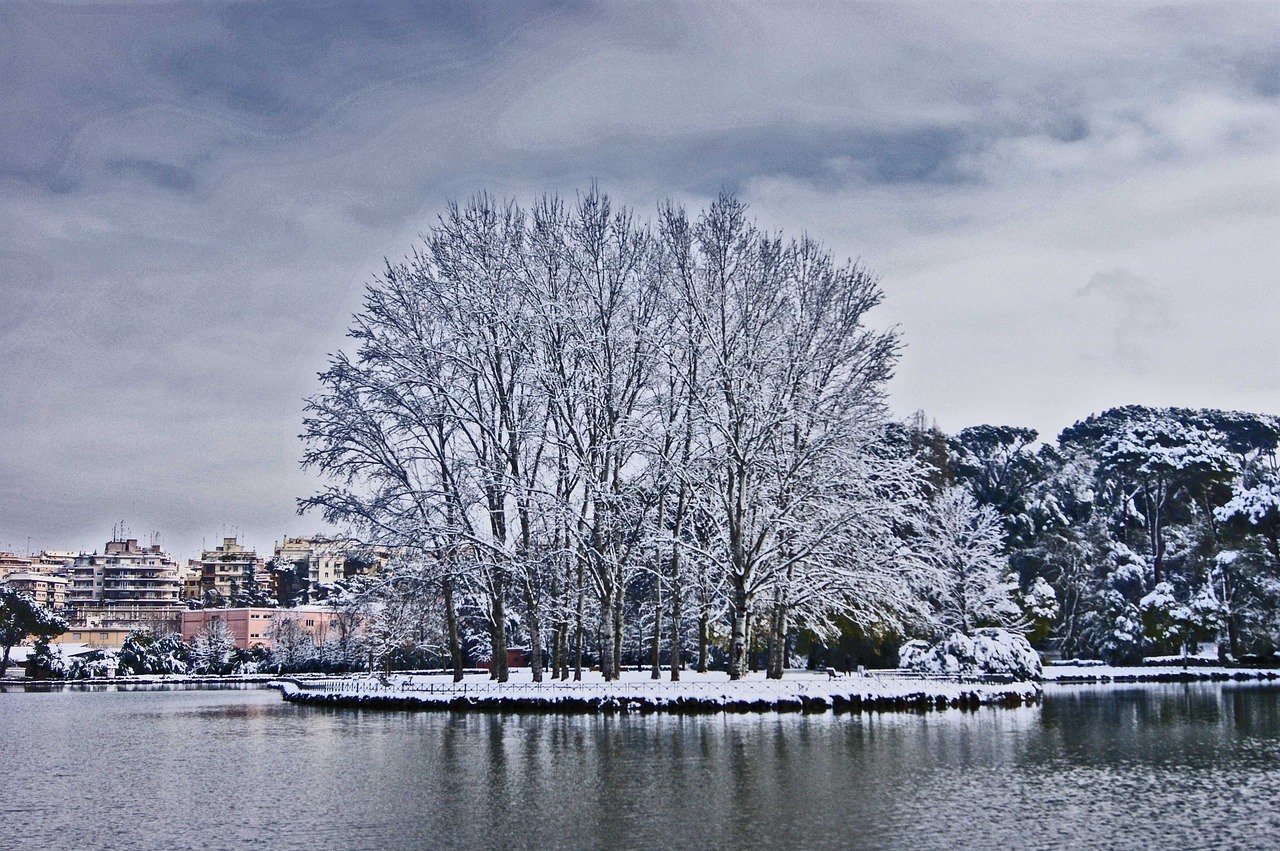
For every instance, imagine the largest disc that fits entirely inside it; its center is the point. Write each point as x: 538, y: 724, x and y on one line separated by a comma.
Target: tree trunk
x: 1069, y: 628
x: 535, y: 632
x: 451, y: 624
x: 558, y: 661
x: 579, y: 636
x: 553, y: 651
x: 655, y: 662
x: 499, y: 615
x: 677, y: 645
x: 617, y: 630
x: 738, y: 636
x: 704, y: 642
x: 608, y: 661
x: 1233, y: 631
x: 564, y: 649
x: 778, y: 642
x: 1157, y: 538
x: 557, y: 625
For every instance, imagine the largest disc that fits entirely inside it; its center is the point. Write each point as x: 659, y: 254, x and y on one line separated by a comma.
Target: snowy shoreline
x: 707, y: 692
x: 697, y: 696
x: 1102, y: 674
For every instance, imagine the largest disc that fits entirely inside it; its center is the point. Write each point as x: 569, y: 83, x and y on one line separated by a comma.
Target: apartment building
x: 52, y: 561
x: 301, y: 563
x: 11, y: 563
x: 191, y: 577
x: 227, y: 568
x: 126, y: 584
x: 46, y: 561
x: 46, y: 589
x: 95, y: 637
x: 322, y: 560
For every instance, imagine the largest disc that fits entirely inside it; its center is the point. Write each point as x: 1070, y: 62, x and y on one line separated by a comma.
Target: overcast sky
x: 1071, y: 207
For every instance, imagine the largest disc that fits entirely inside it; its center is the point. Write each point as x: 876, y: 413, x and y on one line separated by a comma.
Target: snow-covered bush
x: 143, y: 653
x: 46, y: 662
x: 251, y: 661
x: 20, y: 616
x: 1121, y: 638
x: 99, y: 663
x: 293, y: 648
x: 1204, y: 614
x: 987, y: 652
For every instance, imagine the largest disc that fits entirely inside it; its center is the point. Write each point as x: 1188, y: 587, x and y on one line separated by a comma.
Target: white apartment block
x: 325, y: 558
x: 46, y: 589
x: 227, y: 568
x: 125, y: 576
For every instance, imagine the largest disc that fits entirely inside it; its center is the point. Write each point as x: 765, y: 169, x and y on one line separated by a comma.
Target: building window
x: 311, y: 623
x: 102, y: 636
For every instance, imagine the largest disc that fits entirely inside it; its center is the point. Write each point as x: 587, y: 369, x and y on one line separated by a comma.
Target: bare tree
x: 790, y: 383
x: 961, y: 568
x: 212, y: 647
x: 291, y: 646
x: 545, y: 406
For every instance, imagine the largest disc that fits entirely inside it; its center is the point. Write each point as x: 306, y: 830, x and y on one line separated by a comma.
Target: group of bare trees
x: 594, y: 430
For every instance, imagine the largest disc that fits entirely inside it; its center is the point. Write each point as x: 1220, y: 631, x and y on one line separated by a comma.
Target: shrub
x: 997, y: 652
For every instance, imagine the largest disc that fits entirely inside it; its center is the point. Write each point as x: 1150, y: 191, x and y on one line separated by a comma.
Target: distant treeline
x: 1155, y: 527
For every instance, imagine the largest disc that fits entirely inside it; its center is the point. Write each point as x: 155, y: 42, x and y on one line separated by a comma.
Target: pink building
x: 251, y: 626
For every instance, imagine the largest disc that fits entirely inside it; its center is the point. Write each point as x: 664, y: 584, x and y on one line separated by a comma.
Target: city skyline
x: 118, y: 533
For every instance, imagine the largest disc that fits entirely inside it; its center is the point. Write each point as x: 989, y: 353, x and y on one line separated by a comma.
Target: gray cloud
x: 1130, y: 317
x: 194, y: 194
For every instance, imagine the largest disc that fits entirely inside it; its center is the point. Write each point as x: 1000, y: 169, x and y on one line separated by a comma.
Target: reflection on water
x: 1179, y: 765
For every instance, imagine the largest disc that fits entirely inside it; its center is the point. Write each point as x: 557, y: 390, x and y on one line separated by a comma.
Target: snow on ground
x: 1094, y: 672
x: 636, y: 691
x: 1203, y: 657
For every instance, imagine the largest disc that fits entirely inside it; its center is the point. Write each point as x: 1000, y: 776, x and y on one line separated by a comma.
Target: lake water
x: 1175, y: 766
